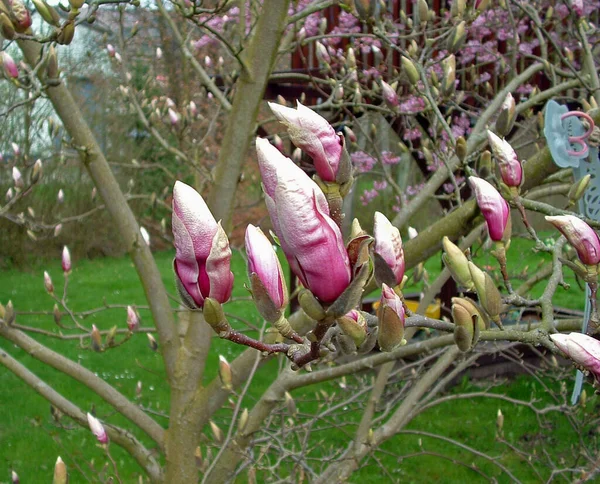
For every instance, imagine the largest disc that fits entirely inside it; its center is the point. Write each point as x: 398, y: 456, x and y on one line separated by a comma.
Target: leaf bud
x: 578, y: 189
x: 457, y: 263
x: 225, y: 373
x: 410, y: 69
x: 216, y: 431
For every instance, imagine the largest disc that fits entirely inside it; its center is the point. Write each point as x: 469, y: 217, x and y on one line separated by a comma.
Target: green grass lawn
x: 31, y: 440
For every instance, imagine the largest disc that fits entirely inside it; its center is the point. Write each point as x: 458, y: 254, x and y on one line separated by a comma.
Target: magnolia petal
x: 218, y: 266
x: 315, y: 241
x: 185, y: 265
x: 191, y: 209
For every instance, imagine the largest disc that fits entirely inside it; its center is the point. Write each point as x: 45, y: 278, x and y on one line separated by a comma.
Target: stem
x: 108, y: 188
x: 114, y: 464
x: 119, y: 436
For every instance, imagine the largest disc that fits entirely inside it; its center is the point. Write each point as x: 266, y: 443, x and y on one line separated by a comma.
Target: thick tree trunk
x: 241, y: 123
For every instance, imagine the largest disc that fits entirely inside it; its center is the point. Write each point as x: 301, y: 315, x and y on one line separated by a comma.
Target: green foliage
x: 27, y: 425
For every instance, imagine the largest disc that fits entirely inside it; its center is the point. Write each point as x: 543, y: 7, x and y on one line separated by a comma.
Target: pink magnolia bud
x: 118, y: 58
x: 20, y: 15
x: 577, y: 6
x: 389, y: 95
x: 9, y: 194
x: 48, y: 283
x: 582, y: 349
x: 207, y: 61
x: 66, y: 260
x: 314, y: 135
x: 511, y: 170
x: 263, y: 262
x: 159, y: 53
x: 14, y: 477
x: 97, y: 429
x: 203, y: 256
x: 388, y: 246
x: 133, y: 320
x: 61, y: 196
x: 322, y: 53
x: 193, y: 109
x: 57, y: 230
x: 173, y: 117
x: 580, y: 235
x: 111, y: 50
x: 391, y: 319
x: 351, y: 136
x: 17, y: 178
x: 278, y: 142
x: 16, y: 149
x: 310, y: 239
x: 494, y: 208
x: 9, y: 65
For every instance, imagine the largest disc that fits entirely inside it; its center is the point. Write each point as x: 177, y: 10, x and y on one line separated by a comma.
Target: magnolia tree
x: 453, y: 82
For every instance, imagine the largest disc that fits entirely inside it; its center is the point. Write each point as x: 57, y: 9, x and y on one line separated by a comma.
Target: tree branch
x: 117, y: 435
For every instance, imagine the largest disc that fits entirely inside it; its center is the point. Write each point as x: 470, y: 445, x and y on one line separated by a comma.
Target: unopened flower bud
x: 225, y: 373
x: 17, y: 178
x: 353, y: 324
x: 97, y: 429
x: 389, y: 95
x: 511, y: 170
x: 391, y: 320
x: 152, y: 342
x: 14, y: 477
x: 458, y: 8
x: 57, y: 230
x: 350, y: 134
x: 133, y: 320
x: 507, y: 117
x: 410, y: 69
x: 322, y: 53
x: 216, y: 431
x: 173, y: 117
x: 488, y: 293
x: 290, y: 404
x: 36, y: 171
x: 278, y: 143
x: 57, y: 314
x: 297, y: 155
x: 457, y: 38
x: 499, y: 421
x: 243, y: 420
x: 580, y: 235
x: 578, y: 189
x: 494, y: 208
x: 9, y: 313
x: 449, y: 79
x: 145, y: 235
x: 60, y: 197
x: 388, y: 252
x: 457, y: 263
x: 60, y: 472
x: 66, y: 260
x: 467, y: 323
x: 48, y: 283
x: 461, y: 148
x: 310, y: 305
x: 96, y: 339
x: 7, y: 27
